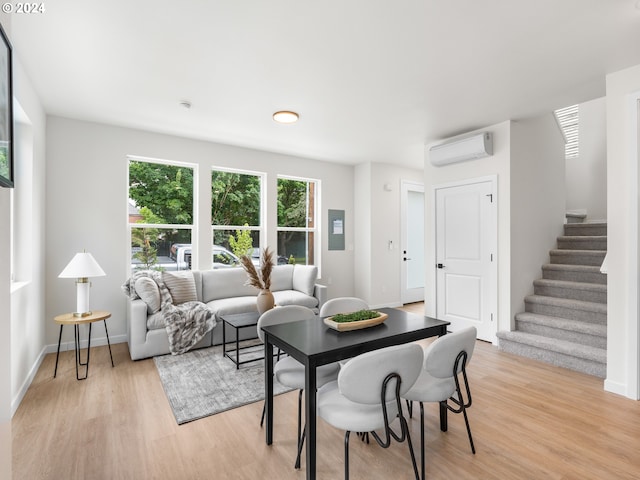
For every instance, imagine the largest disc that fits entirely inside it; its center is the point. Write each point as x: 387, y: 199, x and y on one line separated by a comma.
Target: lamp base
x: 82, y: 314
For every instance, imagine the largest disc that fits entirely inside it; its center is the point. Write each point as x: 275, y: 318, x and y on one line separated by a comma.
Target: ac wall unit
x: 468, y: 148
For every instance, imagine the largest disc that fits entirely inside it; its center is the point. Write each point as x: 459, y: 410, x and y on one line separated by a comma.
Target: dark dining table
x: 313, y: 343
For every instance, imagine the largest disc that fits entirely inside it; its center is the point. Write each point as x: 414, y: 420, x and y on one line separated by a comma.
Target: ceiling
x: 372, y: 80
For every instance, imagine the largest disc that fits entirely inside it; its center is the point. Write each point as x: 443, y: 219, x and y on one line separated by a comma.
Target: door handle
x: 440, y: 265
x: 405, y: 259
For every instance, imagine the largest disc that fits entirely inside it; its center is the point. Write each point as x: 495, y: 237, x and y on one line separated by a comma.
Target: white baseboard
x: 617, y: 388
x: 15, y: 402
x: 386, y: 305
x: 95, y: 342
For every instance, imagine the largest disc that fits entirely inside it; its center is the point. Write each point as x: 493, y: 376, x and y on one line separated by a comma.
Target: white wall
x: 27, y: 299
x: 622, y: 224
x: 378, y: 268
x: 86, y: 206
x: 586, y: 176
x: 537, y: 201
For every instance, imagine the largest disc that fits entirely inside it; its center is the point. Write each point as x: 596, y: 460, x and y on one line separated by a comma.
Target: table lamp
x: 81, y: 267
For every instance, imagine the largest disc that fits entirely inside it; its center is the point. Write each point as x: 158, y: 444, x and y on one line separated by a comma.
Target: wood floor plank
x: 529, y: 421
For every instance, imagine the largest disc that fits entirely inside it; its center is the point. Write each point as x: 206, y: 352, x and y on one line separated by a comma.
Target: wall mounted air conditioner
x: 467, y: 148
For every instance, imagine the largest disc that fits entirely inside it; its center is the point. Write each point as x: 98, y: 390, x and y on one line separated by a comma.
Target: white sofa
x: 224, y: 292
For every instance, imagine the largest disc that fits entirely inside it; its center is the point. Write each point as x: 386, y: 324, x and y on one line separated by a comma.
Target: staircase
x: 565, y: 320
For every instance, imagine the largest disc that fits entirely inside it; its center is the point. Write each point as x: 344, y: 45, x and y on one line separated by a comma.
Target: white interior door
x: 466, y: 245
x: 413, y: 244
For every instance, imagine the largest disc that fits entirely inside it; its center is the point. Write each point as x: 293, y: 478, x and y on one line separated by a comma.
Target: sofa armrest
x: 320, y: 292
x: 136, y: 327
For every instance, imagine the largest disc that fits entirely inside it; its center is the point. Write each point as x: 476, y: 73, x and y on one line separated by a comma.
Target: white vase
x: 264, y: 301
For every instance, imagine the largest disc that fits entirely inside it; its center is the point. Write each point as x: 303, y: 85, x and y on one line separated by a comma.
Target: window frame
x: 316, y: 229
x: 193, y: 227
x: 262, y: 220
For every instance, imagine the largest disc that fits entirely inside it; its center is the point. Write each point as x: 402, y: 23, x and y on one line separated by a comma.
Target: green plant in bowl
x: 355, y: 316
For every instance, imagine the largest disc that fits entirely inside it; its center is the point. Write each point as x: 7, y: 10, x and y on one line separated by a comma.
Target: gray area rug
x: 203, y: 382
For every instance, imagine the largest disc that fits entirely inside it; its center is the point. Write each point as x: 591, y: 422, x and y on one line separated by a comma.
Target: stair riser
x: 567, y: 335
x: 572, y: 276
x: 571, y: 293
x: 576, y: 259
x: 585, y: 229
x: 561, y: 360
x: 564, y: 312
x: 578, y: 243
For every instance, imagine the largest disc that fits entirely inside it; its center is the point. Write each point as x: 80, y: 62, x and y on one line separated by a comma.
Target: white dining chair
x: 444, y: 379
x: 342, y: 305
x: 287, y: 370
x: 366, y: 396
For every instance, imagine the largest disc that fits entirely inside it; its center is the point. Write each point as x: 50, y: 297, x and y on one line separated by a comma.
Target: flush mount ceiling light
x: 285, y: 116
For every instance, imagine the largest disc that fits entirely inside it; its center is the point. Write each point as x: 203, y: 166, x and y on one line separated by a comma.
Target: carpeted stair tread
x: 577, y: 257
x: 578, y: 229
x: 563, y: 323
x: 591, y: 292
x: 590, y: 242
x: 567, y: 303
x: 575, y: 273
x: 593, y: 354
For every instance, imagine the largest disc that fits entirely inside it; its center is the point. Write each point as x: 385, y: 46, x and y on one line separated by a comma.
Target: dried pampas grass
x: 260, y: 281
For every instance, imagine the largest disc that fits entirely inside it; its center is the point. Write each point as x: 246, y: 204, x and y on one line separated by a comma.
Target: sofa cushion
x: 155, y: 321
x: 282, y: 278
x: 181, y: 285
x: 225, y: 283
x: 225, y: 306
x: 294, y: 297
x: 304, y: 278
x: 147, y: 289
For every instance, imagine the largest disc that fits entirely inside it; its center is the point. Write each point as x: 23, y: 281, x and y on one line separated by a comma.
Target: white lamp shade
x: 83, y: 265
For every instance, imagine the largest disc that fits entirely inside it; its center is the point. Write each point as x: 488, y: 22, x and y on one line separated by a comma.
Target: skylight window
x: 569, y: 120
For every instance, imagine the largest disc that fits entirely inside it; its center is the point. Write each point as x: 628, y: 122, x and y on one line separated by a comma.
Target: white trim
x: 633, y: 372
x: 22, y: 391
x: 405, y: 187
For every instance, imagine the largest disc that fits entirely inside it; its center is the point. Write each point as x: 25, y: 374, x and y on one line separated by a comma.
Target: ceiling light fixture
x: 285, y: 116
x: 186, y: 104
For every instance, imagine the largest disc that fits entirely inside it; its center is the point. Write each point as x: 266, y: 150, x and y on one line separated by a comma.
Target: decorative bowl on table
x: 344, y: 322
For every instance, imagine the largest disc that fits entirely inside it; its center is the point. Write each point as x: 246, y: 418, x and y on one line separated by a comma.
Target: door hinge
x: 492, y: 317
x: 492, y: 257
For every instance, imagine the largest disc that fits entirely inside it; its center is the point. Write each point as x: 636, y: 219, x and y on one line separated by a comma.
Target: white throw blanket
x: 186, y: 324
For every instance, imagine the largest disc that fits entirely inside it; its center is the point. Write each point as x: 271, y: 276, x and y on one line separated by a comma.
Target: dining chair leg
x: 444, y: 424
x: 300, y: 434
x: 346, y: 455
x: 300, y: 446
x: 264, y: 411
x: 422, y: 445
x: 466, y: 421
x: 405, y: 427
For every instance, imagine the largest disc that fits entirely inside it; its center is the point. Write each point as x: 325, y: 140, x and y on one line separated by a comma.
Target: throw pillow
x: 181, y: 285
x: 147, y: 290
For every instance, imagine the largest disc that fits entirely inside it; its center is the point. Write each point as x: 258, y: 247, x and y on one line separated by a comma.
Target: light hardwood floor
x: 529, y: 421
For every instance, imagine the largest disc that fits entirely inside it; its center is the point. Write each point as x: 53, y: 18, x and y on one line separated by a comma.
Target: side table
x: 238, y: 321
x: 70, y: 319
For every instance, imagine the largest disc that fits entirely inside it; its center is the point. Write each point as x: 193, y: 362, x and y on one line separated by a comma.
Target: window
x: 161, y: 206
x: 297, y: 221
x: 569, y: 120
x: 236, y: 215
